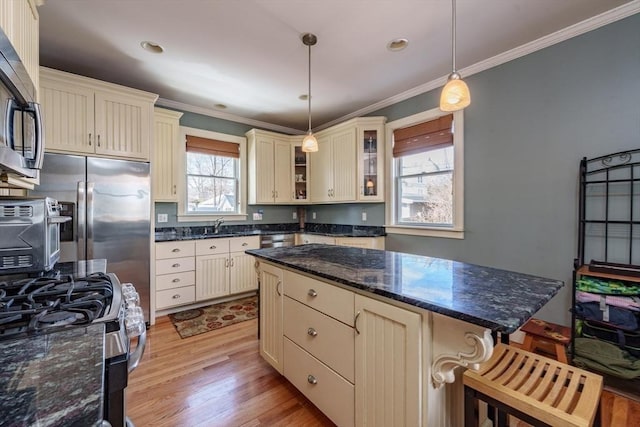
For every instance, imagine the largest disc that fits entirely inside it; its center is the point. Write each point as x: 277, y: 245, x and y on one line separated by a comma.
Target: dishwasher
x: 277, y: 240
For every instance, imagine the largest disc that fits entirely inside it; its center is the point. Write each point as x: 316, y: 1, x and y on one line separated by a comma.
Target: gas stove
x: 54, y: 302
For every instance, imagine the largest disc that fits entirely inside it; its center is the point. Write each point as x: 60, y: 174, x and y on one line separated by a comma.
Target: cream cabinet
x: 20, y: 22
x: 87, y: 116
x: 271, y: 304
x: 272, y: 168
x: 164, y: 155
x: 305, y: 239
x: 356, y: 242
x: 387, y: 336
x: 175, y: 274
x: 222, y: 267
x: 333, y: 166
x: 370, y: 159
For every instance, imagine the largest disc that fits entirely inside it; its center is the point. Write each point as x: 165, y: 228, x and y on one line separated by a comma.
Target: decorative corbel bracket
x: 442, y: 370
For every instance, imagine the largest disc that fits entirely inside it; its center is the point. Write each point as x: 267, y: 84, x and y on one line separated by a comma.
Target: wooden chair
x: 540, y: 334
x: 533, y: 388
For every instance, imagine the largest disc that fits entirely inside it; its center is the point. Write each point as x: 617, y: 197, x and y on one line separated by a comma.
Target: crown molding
x: 163, y: 102
x: 593, y: 23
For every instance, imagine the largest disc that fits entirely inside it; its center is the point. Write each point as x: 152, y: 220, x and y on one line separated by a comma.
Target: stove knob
x: 134, y: 321
x: 131, y: 297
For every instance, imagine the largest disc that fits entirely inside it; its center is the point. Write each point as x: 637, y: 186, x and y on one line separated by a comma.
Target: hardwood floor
x: 218, y: 379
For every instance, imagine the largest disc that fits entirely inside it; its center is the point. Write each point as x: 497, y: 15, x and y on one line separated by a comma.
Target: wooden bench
x: 533, y: 388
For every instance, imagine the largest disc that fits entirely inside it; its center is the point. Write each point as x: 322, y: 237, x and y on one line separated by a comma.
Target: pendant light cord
x: 453, y: 34
x: 309, y: 91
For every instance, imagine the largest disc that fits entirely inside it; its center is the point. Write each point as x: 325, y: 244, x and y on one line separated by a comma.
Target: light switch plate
x: 313, y: 215
x: 163, y: 217
x: 294, y: 215
x: 364, y: 216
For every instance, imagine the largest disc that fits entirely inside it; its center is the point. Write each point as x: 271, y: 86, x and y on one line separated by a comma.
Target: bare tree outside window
x: 212, y: 183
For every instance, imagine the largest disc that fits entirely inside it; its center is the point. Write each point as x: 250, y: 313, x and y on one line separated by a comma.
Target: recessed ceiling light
x: 152, y: 47
x: 220, y: 106
x: 397, y: 44
x: 303, y: 97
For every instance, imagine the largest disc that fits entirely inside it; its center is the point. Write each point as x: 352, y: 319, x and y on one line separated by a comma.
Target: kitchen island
x: 369, y: 334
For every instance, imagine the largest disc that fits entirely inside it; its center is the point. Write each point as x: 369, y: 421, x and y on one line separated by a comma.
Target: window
x: 427, y: 175
x: 213, y: 175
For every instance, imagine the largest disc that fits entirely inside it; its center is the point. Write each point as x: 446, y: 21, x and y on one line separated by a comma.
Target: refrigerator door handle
x: 81, y: 219
x: 90, y: 187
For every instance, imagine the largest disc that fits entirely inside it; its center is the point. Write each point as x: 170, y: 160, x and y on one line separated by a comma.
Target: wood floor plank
x: 218, y: 379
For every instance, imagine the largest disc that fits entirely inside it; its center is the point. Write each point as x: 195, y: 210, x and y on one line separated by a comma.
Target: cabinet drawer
x: 329, y: 299
x: 331, y: 393
x: 166, y: 250
x: 177, y: 296
x: 175, y: 265
x: 212, y: 246
x: 321, y: 336
x: 237, y: 244
x: 175, y: 280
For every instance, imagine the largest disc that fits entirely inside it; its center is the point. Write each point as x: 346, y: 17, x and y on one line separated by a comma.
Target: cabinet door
x: 344, y: 166
x: 68, y: 115
x: 243, y: 273
x: 321, y: 171
x: 283, y: 181
x: 122, y: 126
x: 387, y: 360
x: 370, y: 153
x: 264, y: 173
x: 271, y: 312
x: 164, y: 157
x: 212, y: 276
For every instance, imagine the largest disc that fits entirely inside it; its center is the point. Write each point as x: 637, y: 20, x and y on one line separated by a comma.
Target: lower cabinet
x: 271, y: 303
x: 356, y: 242
x: 175, y: 274
x: 357, y: 359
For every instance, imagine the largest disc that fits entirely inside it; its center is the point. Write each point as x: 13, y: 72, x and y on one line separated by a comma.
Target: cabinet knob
x: 245, y: 244
x: 312, y: 380
x: 176, y: 296
x: 212, y: 247
x: 312, y: 332
x: 175, y: 280
x: 312, y: 293
x: 176, y: 265
x: 175, y: 250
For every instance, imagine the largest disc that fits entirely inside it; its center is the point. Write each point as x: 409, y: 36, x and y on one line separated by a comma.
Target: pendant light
x: 309, y: 143
x: 455, y: 94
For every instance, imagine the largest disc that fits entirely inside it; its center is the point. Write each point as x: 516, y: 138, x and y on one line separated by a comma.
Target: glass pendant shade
x: 309, y: 143
x: 455, y: 94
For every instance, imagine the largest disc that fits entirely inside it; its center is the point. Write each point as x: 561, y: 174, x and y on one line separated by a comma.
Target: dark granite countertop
x: 489, y: 297
x: 333, y: 230
x: 53, y: 379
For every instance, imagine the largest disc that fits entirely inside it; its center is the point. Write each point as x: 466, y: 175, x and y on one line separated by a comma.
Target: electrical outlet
x: 163, y: 217
x: 364, y: 216
x: 313, y: 215
x: 294, y: 215
x: 257, y: 216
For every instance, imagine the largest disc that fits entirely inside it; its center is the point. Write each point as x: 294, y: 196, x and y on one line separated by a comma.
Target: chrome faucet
x: 216, y: 225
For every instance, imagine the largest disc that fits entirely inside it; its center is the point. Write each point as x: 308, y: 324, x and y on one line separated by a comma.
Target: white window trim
x: 391, y: 226
x: 183, y: 215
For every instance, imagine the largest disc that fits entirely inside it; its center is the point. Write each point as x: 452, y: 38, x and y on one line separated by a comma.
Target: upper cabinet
x: 87, y: 116
x: 277, y: 169
x: 164, y: 155
x: 348, y: 164
x: 19, y: 21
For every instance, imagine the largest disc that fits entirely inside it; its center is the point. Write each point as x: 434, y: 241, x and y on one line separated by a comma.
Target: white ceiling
x: 248, y: 54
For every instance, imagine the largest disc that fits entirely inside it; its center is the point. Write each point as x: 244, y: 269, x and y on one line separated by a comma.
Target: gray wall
x: 530, y: 122
x: 270, y: 215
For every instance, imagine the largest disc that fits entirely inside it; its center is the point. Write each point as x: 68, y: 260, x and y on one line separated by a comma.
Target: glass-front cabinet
x: 371, y: 159
x: 300, y: 174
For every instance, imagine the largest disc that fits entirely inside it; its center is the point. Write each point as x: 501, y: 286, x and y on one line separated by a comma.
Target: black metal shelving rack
x: 609, y: 229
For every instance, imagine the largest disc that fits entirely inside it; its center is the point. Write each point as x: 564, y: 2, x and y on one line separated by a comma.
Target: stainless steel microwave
x: 21, y: 137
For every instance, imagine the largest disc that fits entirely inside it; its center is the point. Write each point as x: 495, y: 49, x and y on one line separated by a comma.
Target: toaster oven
x: 30, y: 230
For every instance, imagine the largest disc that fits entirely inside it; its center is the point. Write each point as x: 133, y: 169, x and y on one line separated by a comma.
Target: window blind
x: 423, y: 137
x: 196, y: 144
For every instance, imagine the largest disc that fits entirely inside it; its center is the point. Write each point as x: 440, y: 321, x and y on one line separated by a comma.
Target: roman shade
x: 423, y: 137
x: 196, y: 144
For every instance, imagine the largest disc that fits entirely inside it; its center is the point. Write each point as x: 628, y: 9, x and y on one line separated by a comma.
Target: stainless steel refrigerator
x: 109, y: 202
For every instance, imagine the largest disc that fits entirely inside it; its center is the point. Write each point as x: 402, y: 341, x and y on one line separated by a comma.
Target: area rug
x: 200, y: 320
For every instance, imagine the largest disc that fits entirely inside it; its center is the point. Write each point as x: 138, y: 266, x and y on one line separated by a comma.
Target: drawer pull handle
x: 176, y: 265
x: 312, y: 293
x: 355, y: 323
x: 176, y: 296
x: 175, y: 280
x: 277, y: 286
x: 175, y: 250
x: 312, y: 380
x: 212, y: 247
x: 245, y: 244
x: 312, y: 332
